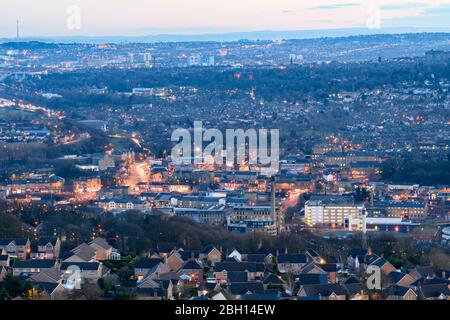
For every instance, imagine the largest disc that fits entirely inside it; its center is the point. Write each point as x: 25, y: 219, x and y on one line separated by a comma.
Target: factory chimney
x: 273, y: 204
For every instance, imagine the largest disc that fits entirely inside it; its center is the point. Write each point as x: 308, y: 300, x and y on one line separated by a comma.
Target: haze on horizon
x: 150, y: 17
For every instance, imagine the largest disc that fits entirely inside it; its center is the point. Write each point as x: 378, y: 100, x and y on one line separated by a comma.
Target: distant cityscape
x: 94, y: 206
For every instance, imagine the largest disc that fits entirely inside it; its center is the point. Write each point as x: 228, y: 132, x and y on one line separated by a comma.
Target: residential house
x: 291, y: 263
x: 237, y: 254
x: 4, y: 260
x: 400, y: 293
x: 16, y: 248
x: 51, y: 291
x: 103, y: 251
x: 254, y: 270
x: 149, y: 293
x: 354, y: 258
x: 272, y: 281
x: 33, y: 266
x: 82, y: 253
x: 192, y: 269
x: 312, y: 278
x: 237, y: 276
x: 47, y: 248
x: 174, y: 261
x: 145, y: 266
x: 51, y: 275
x: 314, y: 256
x: 322, y: 292
x: 89, y: 272
x: 356, y: 291
x: 211, y: 255
x: 238, y: 289
x: 329, y: 269
x: 385, y: 266
x: 435, y: 292
x: 400, y: 278
x: 258, y: 258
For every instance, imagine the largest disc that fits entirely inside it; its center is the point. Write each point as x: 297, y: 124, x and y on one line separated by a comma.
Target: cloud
x: 336, y: 6
x: 404, y: 6
x: 442, y: 10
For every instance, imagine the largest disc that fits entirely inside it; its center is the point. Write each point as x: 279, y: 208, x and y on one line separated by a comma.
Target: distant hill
x: 226, y: 37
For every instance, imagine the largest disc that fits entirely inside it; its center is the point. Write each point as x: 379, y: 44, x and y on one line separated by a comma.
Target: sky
x: 149, y: 17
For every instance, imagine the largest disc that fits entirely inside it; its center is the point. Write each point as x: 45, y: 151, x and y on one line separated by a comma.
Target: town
x: 94, y: 205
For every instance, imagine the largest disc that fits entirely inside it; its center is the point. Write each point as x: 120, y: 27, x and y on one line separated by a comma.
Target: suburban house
x: 145, y: 266
x: 238, y: 289
x: 33, y: 266
x: 52, y: 275
x: 274, y: 281
x: 16, y: 248
x: 237, y: 254
x: 291, y: 263
x: 89, y: 271
x: 103, y: 251
x: 356, y: 291
x: 400, y: 293
x: 434, y: 292
x: 322, y: 292
x: 4, y: 260
x: 192, y: 269
x: 356, y: 257
x: 312, y: 278
x: 382, y: 263
x: 211, y: 255
x: 50, y: 291
x: 400, y: 278
x: 174, y: 261
x: 47, y: 248
x: 254, y: 270
x: 82, y: 253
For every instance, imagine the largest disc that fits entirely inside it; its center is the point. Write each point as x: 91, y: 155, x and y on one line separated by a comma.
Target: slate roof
x: 272, y: 279
x: 312, y: 253
x: 241, y: 288
x: 329, y: 267
x: 238, y: 266
x: 323, y: 290
x: 102, y: 243
x: 434, y: 290
x: 84, y: 266
x: 48, y: 287
x: 355, y: 288
x: 237, y: 276
x: 256, y: 258
x: 45, y: 240
x: 18, y: 241
x: 312, y: 278
x: 291, y: 258
x: 351, y: 279
x: 357, y: 252
x: 147, y: 263
x: 34, y: 264
x: 191, y: 265
x: 396, y: 276
x: 261, y: 297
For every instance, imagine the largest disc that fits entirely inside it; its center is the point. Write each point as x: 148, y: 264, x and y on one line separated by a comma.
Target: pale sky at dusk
x: 143, y: 17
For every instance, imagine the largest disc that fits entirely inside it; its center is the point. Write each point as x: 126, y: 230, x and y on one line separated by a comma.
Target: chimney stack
x: 273, y: 204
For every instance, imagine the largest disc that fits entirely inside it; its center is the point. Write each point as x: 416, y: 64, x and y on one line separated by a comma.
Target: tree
x: 4, y: 295
x: 10, y: 226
